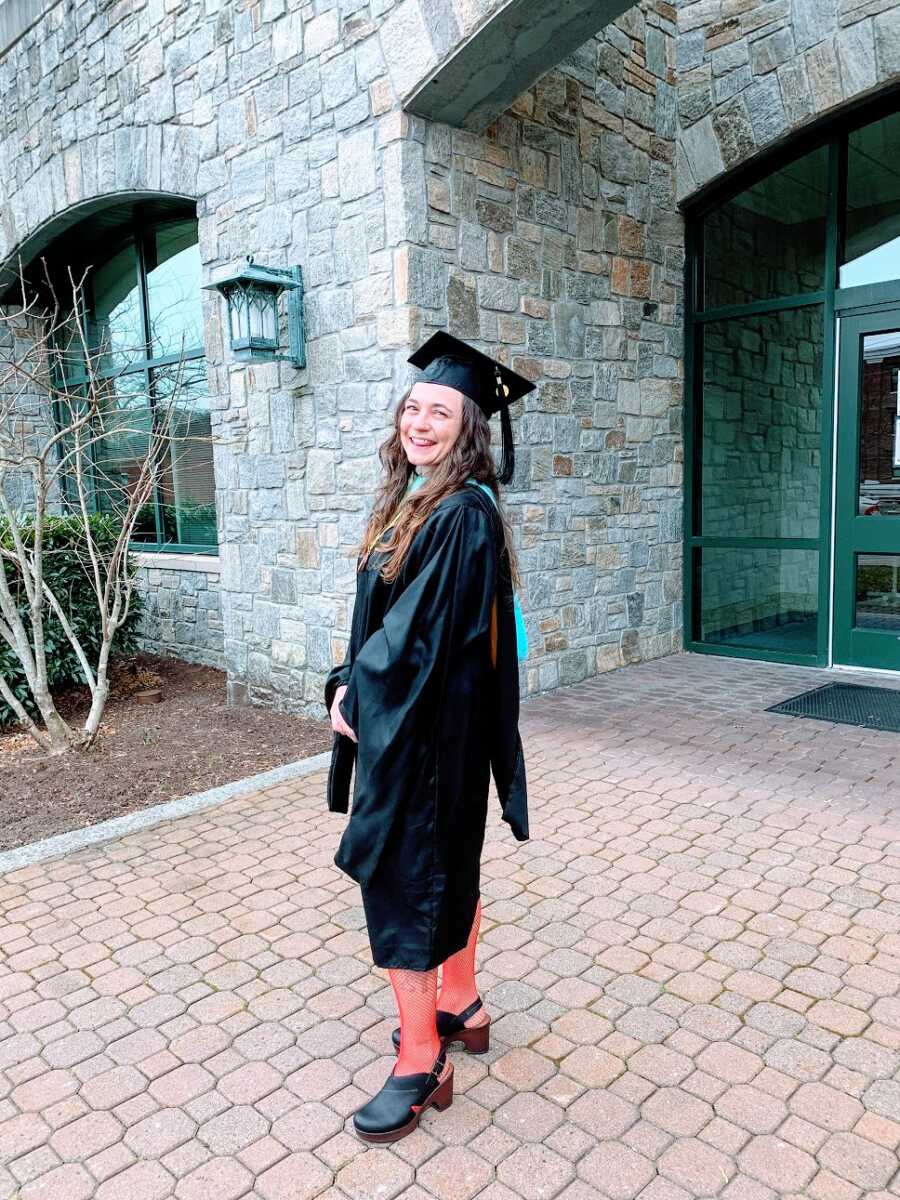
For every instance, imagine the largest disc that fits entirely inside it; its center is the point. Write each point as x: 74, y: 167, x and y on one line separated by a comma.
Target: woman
x: 426, y: 705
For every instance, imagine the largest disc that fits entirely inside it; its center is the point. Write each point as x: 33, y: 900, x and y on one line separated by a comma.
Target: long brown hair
x: 468, y: 458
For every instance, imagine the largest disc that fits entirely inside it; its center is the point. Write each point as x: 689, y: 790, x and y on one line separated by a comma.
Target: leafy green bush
x: 66, y: 566
x: 873, y: 579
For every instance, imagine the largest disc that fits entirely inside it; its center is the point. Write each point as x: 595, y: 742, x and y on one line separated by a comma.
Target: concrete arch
x: 139, y: 162
x: 463, y: 62
x: 743, y: 98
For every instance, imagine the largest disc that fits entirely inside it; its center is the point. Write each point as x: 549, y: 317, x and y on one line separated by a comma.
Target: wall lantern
x: 253, y: 319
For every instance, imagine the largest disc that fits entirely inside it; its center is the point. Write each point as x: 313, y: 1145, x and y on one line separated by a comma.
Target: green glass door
x: 867, y: 497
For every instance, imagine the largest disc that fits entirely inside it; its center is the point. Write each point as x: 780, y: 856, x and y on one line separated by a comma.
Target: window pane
x: 759, y: 599
x: 69, y: 348
x: 878, y: 591
x: 872, y: 237
x: 879, y: 426
x: 761, y: 425
x: 770, y: 240
x: 123, y: 440
x: 173, y: 288
x: 187, y: 487
x: 116, y: 327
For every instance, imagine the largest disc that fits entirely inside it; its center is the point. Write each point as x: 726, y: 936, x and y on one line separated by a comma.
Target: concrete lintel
x: 508, y: 54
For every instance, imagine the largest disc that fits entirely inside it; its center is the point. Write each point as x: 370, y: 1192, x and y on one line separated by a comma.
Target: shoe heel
x: 477, y: 1040
x: 442, y: 1097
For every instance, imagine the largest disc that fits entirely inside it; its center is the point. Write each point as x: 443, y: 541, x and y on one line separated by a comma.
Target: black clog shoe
x: 451, y: 1028
x: 396, y: 1110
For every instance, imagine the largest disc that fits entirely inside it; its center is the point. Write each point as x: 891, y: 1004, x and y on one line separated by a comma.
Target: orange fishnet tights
x: 458, y: 988
x: 417, y: 1002
x: 416, y: 995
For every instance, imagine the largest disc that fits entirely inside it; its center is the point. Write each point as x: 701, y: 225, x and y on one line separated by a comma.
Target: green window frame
x: 834, y: 301
x: 146, y: 370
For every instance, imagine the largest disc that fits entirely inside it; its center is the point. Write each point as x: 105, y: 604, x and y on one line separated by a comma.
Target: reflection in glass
x: 879, y: 426
x: 187, y: 486
x: 69, y: 349
x: 759, y: 599
x: 173, y: 288
x: 116, y: 322
x: 769, y: 241
x: 121, y: 449
x: 761, y: 425
x: 878, y: 591
x: 872, y: 237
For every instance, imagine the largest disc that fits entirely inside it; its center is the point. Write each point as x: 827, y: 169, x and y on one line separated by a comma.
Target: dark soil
x: 145, y: 753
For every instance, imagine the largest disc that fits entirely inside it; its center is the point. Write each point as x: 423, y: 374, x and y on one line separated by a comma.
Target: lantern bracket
x: 252, y: 297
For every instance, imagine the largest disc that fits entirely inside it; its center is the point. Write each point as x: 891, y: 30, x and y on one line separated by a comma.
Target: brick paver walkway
x: 693, y: 969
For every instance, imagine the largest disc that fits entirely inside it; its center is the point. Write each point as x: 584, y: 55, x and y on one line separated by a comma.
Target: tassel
x: 508, y: 459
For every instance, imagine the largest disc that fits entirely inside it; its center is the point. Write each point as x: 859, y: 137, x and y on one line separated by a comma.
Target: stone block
x: 472, y: 243
x: 405, y: 200
x: 666, y: 110
x: 698, y: 15
x: 813, y: 21
x: 824, y: 76
x: 655, y: 52
x: 690, y: 49
x: 356, y: 164
x: 498, y: 294
x: 886, y: 32
x: 795, y: 94
x: 321, y: 33
x: 733, y: 131
x: 338, y: 76
x: 462, y: 306
x: 729, y: 57
x: 701, y: 153
x: 420, y: 276
x: 320, y: 477
x: 764, y: 108
x: 407, y: 46
x: 616, y: 157
x: 768, y: 53
x: 695, y: 100
x: 856, y: 57
x: 569, y: 332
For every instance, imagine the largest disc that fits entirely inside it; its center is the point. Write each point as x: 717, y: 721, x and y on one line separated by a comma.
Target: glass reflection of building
x: 144, y: 321
x: 773, y: 265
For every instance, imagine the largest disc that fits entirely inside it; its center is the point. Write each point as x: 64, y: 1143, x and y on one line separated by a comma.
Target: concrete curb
x: 91, y: 835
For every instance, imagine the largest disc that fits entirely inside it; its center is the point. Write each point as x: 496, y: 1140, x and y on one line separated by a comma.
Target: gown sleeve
x: 337, y: 677
x: 397, y: 674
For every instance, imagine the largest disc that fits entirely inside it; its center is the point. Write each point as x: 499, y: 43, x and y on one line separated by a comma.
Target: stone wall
x: 752, y: 72
x: 556, y: 238
x: 553, y: 239
x: 182, y: 609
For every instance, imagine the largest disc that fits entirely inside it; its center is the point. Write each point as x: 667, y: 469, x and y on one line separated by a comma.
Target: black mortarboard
x: 492, y: 386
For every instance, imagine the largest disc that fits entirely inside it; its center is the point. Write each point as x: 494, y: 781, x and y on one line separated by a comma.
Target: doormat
x: 847, y: 704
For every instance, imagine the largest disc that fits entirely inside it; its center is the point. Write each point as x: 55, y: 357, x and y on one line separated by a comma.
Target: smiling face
x: 430, y: 423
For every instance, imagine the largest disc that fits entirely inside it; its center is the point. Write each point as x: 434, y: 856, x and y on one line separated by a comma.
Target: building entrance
x: 792, y: 498
x: 867, y: 493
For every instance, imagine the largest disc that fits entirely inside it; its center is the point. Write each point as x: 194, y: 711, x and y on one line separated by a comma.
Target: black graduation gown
x: 433, y: 717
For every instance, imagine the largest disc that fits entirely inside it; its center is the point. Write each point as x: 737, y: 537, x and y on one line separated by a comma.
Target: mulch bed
x: 145, y: 753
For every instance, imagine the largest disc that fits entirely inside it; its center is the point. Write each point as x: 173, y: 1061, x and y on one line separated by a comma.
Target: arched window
x: 143, y: 319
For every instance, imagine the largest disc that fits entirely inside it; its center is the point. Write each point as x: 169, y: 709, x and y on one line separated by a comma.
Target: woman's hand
x: 338, y: 724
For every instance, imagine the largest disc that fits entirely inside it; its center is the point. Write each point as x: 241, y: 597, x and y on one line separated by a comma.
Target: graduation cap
x: 493, y: 387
